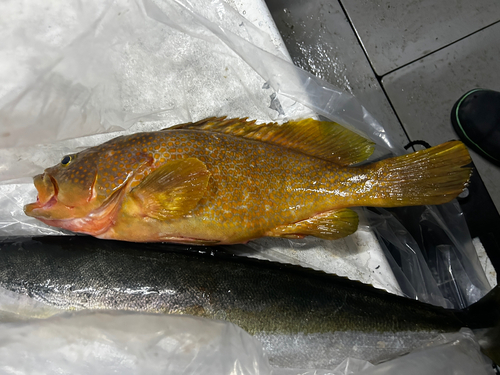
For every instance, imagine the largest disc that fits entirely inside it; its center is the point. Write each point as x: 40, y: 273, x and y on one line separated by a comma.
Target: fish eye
x: 66, y: 160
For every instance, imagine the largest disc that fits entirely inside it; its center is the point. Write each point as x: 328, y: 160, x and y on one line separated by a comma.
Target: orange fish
x: 229, y: 181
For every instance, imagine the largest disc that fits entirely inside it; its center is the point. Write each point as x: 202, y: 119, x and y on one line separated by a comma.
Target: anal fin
x: 330, y: 225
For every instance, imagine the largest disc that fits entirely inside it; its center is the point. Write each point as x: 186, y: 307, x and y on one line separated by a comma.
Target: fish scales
x: 235, y: 182
x: 266, y: 180
x: 78, y: 273
x: 269, y: 300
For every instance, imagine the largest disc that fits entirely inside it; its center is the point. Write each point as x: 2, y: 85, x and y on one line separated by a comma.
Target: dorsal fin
x: 322, y: 139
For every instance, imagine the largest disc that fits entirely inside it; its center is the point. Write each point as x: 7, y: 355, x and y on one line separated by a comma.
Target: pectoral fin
x: 330, y: 225
x: 173, y: 190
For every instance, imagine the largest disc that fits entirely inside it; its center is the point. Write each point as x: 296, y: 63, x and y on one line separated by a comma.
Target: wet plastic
x: 281, y: 75
x: 110, y: 67
x: 448, y: 272
x: 128, y: 343
x: 406, y: 259
x: 452, y: 257
x: 457, y: 354
x: 132, y: 343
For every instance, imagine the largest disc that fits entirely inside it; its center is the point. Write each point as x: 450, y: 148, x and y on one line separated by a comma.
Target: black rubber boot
x: 476, y: 119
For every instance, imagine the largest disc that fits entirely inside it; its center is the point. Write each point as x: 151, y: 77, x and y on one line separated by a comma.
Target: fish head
x: 66, y: 190
x: 83, y: 192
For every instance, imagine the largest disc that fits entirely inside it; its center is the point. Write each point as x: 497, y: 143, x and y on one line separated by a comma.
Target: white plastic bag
x: 133, y: 343
x: 128, y: 343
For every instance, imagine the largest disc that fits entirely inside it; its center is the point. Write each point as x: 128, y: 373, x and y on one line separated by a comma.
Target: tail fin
x: 485, y: 313
x: 433, y: 176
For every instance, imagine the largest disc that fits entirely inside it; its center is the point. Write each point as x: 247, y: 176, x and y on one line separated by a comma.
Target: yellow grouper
x: 229, y: 180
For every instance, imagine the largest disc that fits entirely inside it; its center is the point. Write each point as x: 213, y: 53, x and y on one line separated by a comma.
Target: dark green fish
x: 303, y: 317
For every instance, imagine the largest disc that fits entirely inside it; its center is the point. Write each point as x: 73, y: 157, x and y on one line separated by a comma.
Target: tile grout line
x: 428, y: 54
x: 379, y: 78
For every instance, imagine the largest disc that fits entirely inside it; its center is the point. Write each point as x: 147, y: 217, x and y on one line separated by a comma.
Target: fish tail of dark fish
x: 484, y: 317
x: 428, y: 177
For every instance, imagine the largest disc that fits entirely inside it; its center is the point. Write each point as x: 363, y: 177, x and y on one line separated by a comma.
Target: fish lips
x: 47, y: 195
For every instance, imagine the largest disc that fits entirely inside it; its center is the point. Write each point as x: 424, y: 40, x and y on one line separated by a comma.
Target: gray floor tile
x: 396, y: 32
x: 320, y: 40
x: 424, y: 92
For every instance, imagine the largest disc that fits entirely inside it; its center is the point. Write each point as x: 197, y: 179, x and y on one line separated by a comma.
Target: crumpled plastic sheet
x: 406, y: 259
x: 358, y: 256
x: 133, y: 343
x: 450, y: 274
x: 128, y: 343
x: 452, y: 257
x: 114, y: 65
x: 456, y: 353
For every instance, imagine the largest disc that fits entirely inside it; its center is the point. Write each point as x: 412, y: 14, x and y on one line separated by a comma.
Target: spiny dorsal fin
x: 172, y: 190
x: 322, y: 139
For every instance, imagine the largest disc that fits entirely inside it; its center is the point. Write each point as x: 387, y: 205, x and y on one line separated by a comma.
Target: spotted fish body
x: 229, y: 181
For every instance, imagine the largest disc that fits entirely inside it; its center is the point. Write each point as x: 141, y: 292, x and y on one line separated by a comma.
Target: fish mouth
x: 47, y: 189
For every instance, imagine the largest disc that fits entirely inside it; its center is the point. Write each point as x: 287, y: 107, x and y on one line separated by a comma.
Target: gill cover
x: 74, y: 178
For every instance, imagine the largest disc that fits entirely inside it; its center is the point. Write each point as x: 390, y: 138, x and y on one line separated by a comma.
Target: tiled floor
x: 407, y: 61
x: 395, y: 32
